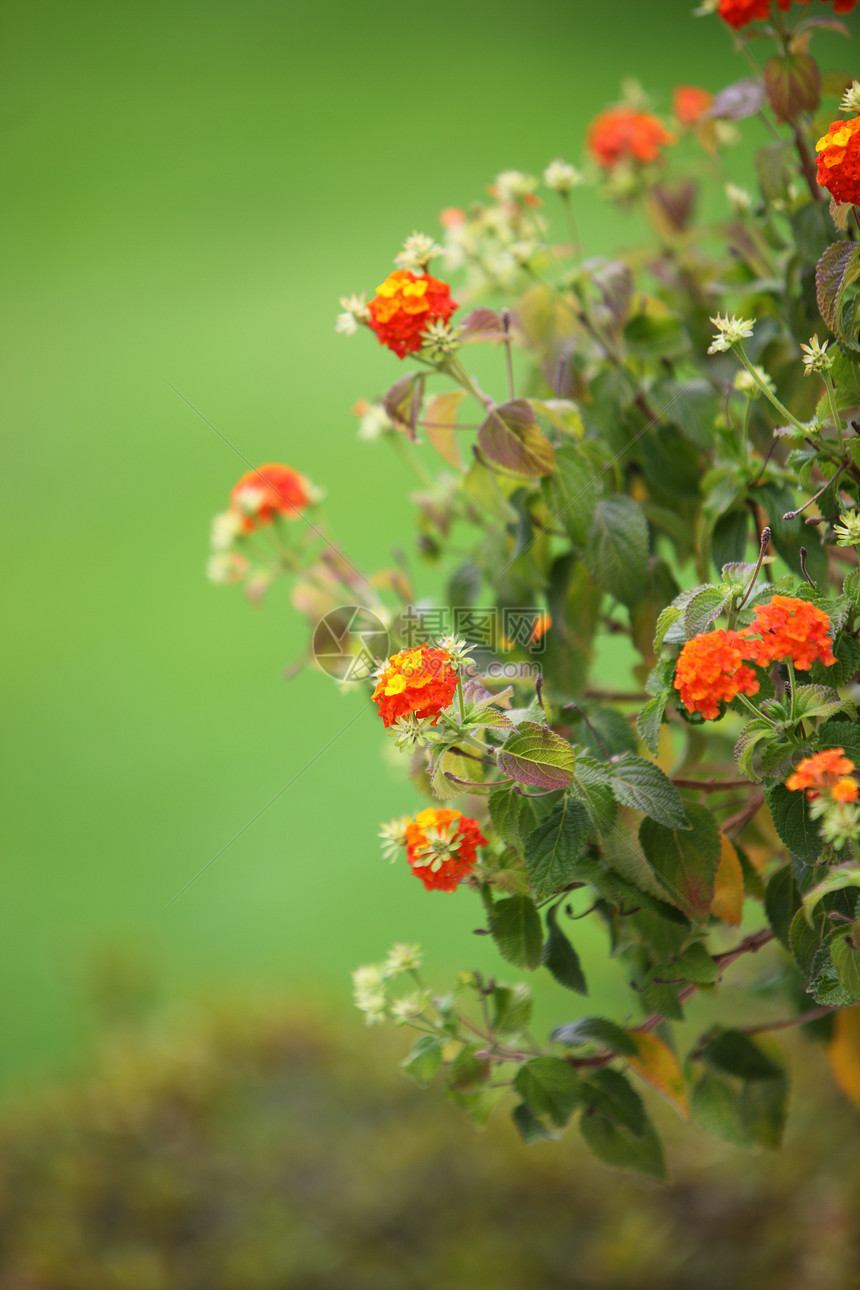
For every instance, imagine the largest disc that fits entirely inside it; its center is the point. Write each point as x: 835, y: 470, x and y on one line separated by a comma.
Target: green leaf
x: 846, y: 960
x: 824, y: 984
x: 480, y: 1105
x: 549, y: 1087
x: 607, y: 734
x: 612, y: 1094
x: 512, y: 439
x: 425, y: 1058
x: 751, y: 735
x: 529, y: 1127
x: 595, y: 1030
x: 534, y: 754
x: 695, y: 964
x: 643, y: 786
x: 617, y: 551
x: 516, y: 929
x: 781, y: 902
x: 746, y: 1113
x: 701, y: 610
x: 793, y: 824
x: 685, y: 862
x: 650, y: 719
x: 467, y: 1073
x: 591, y: 787
x: 514, y: 815
x: 846, y: 875
x: 403, y: 402
x: 651, y: 337
x: 511, y: 1008
x: 841, y: 734
x: 667, y: 619
x: 793, y: 84
x: 571, y: 492
x: 847, y: 665
x: 737, y: 1054
x: 552, y: 849
x: 816, y: 701
x: 615, y: 1147
x: 837, y: 269
x: 805, y: 941
x: 559, y: 956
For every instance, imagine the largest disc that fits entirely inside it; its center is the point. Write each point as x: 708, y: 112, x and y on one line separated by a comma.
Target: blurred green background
x: 189, y: 190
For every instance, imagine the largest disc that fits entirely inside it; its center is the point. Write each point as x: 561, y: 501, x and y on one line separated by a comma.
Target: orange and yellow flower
x: 690, y: 103
x: 403, y: 308
x: 268, y: 491
x: 786, y: 628
x: 419, y: 682
x: 624, y: 134
x: 829, y: 772
x: 711, y: 670
x: 839, y: 160
x: 441, y: 847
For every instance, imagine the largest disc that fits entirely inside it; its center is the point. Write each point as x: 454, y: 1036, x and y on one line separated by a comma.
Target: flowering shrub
x: 669, y: 457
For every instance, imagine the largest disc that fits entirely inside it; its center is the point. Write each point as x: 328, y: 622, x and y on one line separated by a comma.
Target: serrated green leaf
x: 667, y: 619
x: 467, y: 1072
x: 792, y: 822
x: 703, y: 608
x: 837, y: 269
x: 559, y: 956
x: 824, y: 983
x: 696, y: 964
x: 552, y: 849
x: 591, y: 787
x: 511, y: 438
x: 536, y: 755
x: 516, y: 929
x: 781, y: 902
x: 618, y: 1148
x: 686, y: 862
x: 643, y: 786
x: 617, y: 549
x: 751, y: 735
x: 424, y: 1059
x: 529, y: 1127
x: 846, y: 875
x: 511, y: 1008
x: 846, y: 960
x: 738, y: 1054
x: 816, y: 701
x: 549, y: 1087
x: 571, y: 492
x: 650, y: 719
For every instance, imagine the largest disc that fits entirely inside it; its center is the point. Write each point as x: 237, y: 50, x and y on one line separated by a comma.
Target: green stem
x: 745, y: 434
x: 793, y: 682
x: 834, y: 410
x: 755, y: 711
x: 783, y: 411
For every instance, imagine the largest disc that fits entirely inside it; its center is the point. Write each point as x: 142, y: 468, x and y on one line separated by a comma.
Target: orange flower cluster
x: 828, y: 771
x: 623, y: 134
x: 403, y: 308
x: 711, y: 671
x: 737, y: 13
x: 441, y: 847
x: 417, y: 681
x: 268, y: 491
x: 712, y: 668
x: 839, y: 160
x: 690, y: 103
x: 789, y: 628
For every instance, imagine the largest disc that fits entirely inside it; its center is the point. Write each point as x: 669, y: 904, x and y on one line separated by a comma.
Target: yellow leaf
x: 843, y: 1052
x: 728, y: 901
x: 658, y: 1066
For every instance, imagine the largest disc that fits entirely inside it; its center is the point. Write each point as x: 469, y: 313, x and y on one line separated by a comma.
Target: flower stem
x: 834, y: 410
x: 780, y: 407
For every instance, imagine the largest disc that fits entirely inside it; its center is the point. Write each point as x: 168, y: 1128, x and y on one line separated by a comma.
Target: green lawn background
x: 189, y: 189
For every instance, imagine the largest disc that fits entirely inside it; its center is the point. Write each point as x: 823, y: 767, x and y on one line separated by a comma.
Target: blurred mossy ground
x: 189, y: 191
x: 253, y: 1148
